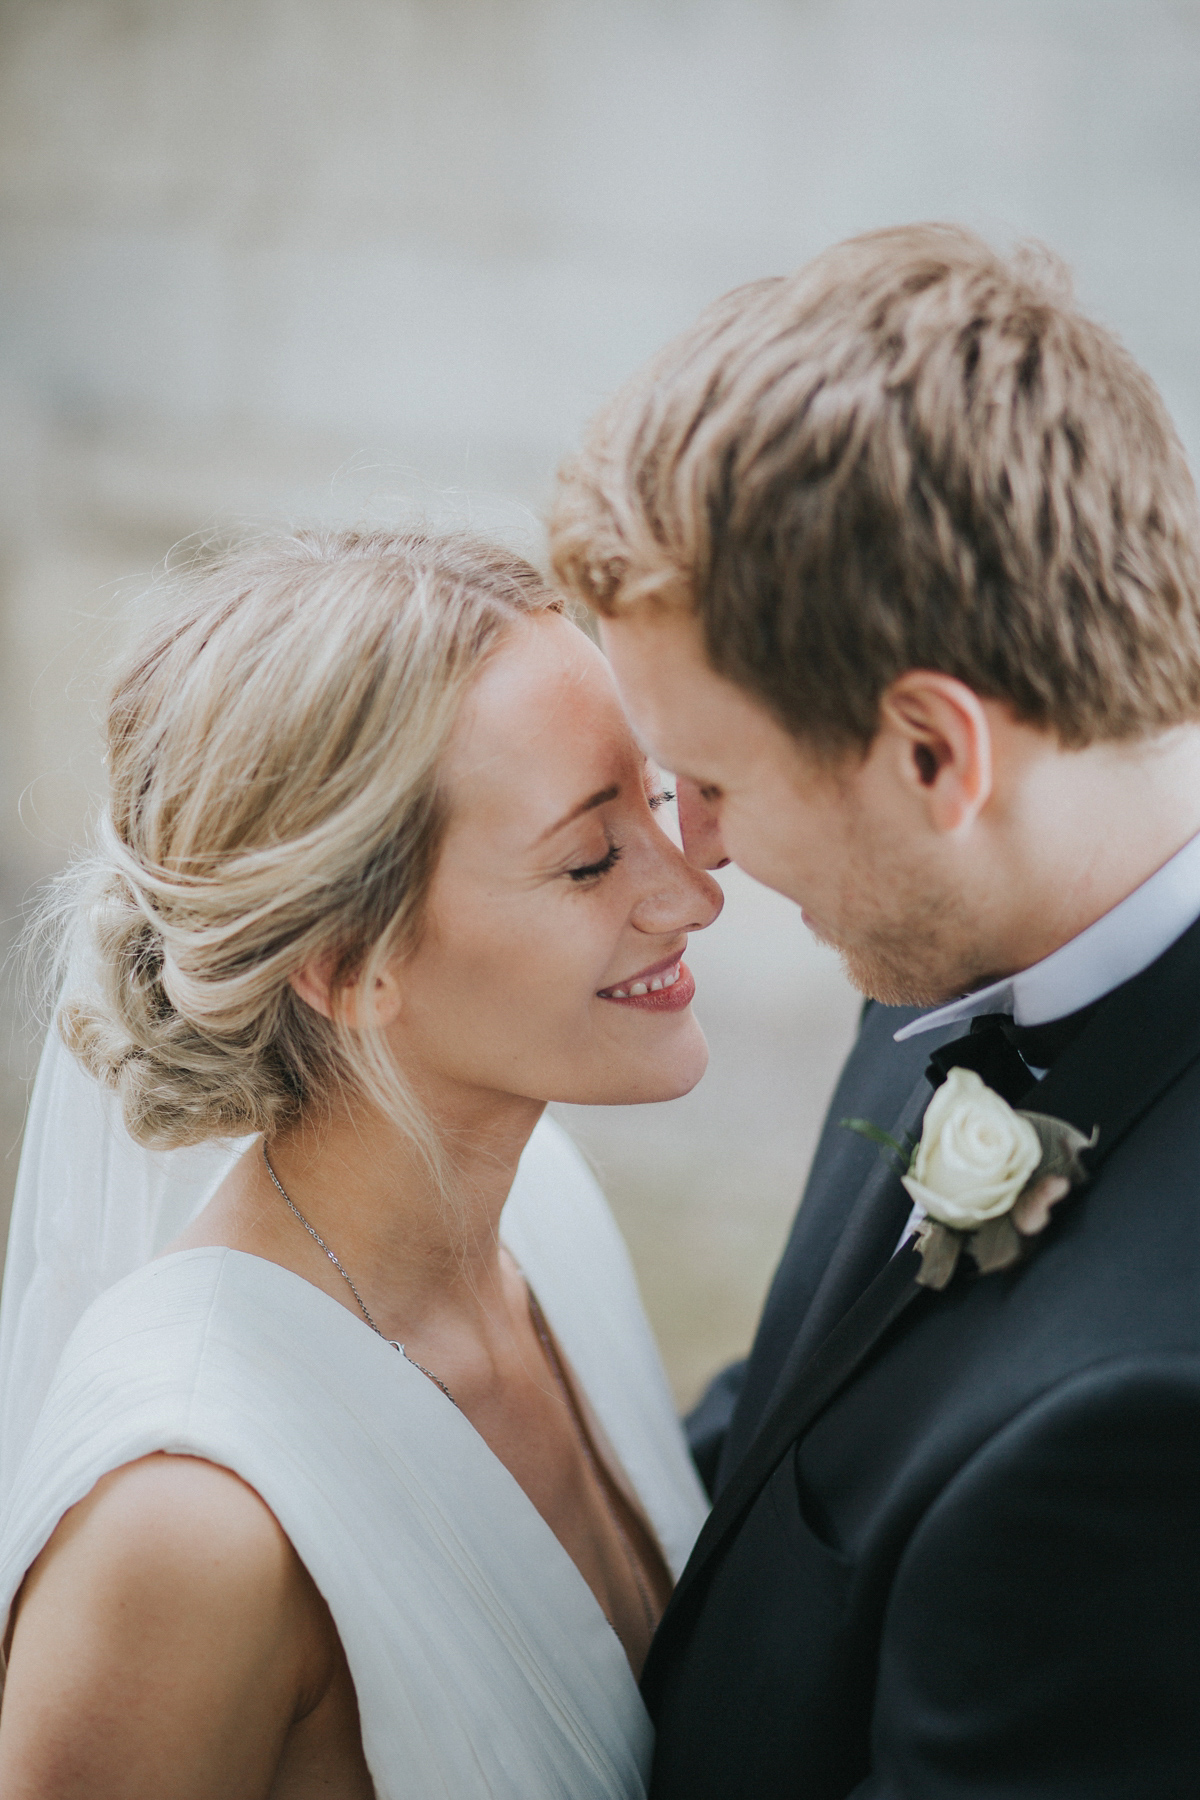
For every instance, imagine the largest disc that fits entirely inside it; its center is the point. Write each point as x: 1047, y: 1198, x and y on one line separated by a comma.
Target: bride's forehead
x: 547, y: 688
x: 536, y: 738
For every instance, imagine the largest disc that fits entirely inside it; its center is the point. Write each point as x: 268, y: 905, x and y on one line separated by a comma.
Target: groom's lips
x: 673, y: 998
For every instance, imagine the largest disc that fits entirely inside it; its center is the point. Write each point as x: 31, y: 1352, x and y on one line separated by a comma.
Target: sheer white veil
x: 91, y: 1206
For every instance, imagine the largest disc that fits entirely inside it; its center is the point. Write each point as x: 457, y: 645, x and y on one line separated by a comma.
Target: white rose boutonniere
x: 985, y: 1174
x: 975, y: 1154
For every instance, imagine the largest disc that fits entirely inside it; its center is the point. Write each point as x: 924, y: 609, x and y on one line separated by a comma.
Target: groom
x: 897, y: 565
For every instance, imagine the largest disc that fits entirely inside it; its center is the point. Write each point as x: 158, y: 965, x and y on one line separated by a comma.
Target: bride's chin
x: 671, y: 1079
x: 639, y: 1080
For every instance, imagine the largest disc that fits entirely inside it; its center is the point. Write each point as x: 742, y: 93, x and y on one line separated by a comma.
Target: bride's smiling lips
x: 666, y: 986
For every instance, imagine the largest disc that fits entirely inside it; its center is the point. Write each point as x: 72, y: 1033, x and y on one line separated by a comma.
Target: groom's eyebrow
x: 598, y: 799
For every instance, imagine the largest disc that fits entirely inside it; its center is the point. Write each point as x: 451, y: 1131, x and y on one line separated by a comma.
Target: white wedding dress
x: 482, y: 1663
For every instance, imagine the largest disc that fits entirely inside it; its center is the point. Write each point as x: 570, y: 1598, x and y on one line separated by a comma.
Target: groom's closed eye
x: 699, y: 824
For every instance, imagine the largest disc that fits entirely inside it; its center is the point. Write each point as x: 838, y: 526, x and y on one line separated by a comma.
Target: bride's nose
x: 677, y: 897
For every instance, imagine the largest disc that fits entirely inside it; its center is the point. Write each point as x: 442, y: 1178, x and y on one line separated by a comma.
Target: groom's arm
x: 1043, y: 1630
x: 708, y: 1421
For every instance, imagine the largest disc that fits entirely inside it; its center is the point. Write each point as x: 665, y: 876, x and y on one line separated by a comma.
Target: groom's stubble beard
x: 906, y: 940
x: 908, y: 971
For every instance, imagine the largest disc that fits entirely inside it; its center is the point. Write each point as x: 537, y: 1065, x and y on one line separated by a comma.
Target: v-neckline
x: 454, y: 1418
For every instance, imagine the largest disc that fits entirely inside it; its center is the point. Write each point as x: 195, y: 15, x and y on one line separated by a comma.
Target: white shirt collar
x: 1114, y: 949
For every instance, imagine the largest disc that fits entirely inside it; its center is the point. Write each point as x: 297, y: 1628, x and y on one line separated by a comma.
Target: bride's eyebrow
x: 601, y: 798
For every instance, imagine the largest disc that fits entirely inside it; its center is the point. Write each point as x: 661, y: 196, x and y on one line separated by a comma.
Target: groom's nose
x: 699, y: 826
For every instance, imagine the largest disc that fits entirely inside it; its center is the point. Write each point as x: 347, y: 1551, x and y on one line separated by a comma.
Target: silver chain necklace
x: 551, y: 1354
x: 362, y: 1305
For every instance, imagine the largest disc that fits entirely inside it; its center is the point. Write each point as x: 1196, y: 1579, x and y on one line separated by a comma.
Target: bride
x: 370, y: 1483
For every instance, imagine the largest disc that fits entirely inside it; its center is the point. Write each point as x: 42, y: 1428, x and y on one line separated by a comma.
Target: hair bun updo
x: 274, y: 744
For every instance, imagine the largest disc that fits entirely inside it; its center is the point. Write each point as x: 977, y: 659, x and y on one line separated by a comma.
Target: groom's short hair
x: 914, y: 453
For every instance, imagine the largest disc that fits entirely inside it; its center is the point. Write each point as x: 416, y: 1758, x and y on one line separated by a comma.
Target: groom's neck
x: 1080, y: 830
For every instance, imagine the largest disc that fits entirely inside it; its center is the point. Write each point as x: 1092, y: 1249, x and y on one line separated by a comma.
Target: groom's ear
x: 942, y: 734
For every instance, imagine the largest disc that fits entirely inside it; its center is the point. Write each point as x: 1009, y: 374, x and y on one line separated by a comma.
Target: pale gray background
x: 336, y: 257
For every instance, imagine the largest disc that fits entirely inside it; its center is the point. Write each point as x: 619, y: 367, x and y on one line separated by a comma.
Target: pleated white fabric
x: 482, y: 1663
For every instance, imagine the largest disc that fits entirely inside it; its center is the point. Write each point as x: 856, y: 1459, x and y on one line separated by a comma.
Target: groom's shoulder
x: 878, y: 1023
x: 878, y: 1064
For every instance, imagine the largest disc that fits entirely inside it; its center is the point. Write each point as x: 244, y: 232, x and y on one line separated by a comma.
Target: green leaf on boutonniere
x: 903, y: 1153
x: 940, y: 1249
x: 1062, y: 1148
x: 995, y: 1245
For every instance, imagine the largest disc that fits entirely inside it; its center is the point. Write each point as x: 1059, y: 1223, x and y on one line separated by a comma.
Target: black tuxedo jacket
x: 955, y: 1547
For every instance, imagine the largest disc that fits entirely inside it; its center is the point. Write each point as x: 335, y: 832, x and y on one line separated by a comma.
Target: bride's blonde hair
x: 273, y: 753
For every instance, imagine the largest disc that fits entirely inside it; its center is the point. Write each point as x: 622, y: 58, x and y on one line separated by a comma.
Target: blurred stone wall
x: 264, y: 258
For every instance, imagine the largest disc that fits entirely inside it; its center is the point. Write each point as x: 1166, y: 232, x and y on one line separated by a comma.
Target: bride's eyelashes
x: 593, y: 871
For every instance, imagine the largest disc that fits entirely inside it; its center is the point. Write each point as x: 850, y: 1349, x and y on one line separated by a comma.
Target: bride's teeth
x: 655, y: 986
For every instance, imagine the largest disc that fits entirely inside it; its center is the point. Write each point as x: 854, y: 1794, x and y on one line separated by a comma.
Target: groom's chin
x: 892, y: 981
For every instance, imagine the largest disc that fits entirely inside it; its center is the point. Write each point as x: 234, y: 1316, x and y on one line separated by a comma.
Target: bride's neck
x: 414, y: 1246
x: 411, y: 1234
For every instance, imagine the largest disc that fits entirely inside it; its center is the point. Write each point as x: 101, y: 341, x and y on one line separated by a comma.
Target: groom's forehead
x: 684, y: 713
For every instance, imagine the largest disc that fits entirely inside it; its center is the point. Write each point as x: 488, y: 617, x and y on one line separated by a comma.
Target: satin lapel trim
x: 816, y: 1384
x: 808, y: 1341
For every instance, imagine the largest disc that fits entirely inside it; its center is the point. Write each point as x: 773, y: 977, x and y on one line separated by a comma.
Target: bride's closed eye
x: 592, y: 871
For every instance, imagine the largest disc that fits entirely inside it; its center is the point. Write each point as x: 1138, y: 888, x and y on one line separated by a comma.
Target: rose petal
x: 975, y: 1156
x: 963, y: 1212
x: 1031, y: 1213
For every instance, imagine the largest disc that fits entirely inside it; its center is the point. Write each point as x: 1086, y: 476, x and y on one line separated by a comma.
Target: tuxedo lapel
x: 876, y: 1082
x: 863, y: 1291
x: 1140, y: 1040
x: 865, y: 1247
x: 823, y: 1375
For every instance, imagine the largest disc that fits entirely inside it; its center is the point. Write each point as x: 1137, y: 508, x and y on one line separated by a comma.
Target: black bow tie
x: 1005, y: 1054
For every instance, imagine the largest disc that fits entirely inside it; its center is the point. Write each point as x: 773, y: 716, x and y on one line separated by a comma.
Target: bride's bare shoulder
x: 190, y: 1619
x: 177, y: 1519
